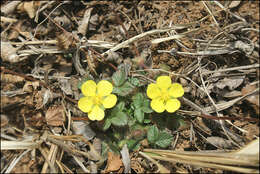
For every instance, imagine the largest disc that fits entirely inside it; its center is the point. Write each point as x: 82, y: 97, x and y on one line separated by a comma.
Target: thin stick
x: 232, y: 69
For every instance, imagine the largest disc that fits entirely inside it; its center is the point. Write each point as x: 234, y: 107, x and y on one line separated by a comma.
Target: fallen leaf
x: 254, y: 99
x: 234, y: 4
x: 126, y: 159
x: 232, y: 94
x: 4, y: 120
x: 8, y: 53
x: 220, y: 142
x: 10, y: 78
x: 231, y: 83
x: 82, y: 128
x: 114, y: 163
x: 55, y: 116
x: 29, y: 7
x: 30, y: 86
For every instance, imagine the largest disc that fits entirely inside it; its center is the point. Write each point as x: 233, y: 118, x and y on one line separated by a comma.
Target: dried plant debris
x: 52, y: 50
x: 55, y: 116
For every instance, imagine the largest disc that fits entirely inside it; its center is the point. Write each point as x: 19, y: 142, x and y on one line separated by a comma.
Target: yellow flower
x: 96, y: 98
x: 164, y: 94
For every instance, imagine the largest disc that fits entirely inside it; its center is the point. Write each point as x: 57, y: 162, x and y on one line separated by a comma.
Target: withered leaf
x: 114, y: 163
x: 55, y: 116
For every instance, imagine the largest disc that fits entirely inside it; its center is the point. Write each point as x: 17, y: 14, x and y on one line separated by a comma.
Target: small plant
x: 129, y: 121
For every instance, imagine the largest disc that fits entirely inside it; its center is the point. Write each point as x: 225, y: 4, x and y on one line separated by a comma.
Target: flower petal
x: 109, y: 101
x: 96, y: 114
x: 89, y: 88
x: 104, y: 88
x: 153, y: 91
x: 176, y: 90
x: 85, y: 104
x: 172, y: 105
x: 164, y: 82
x: 157, y: 105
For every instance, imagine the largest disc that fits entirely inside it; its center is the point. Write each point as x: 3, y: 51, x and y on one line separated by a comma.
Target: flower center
x: 165, y: 95
x: 97, y: 100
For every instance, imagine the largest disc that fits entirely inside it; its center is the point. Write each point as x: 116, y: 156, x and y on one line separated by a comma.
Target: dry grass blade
x: 14, y: 145
x: 244, y: 160
x: 161, y: 169
x: 225, y: 105
x: 15, y: 161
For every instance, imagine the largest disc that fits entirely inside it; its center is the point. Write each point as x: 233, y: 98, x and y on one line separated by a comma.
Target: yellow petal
x: 85, y: 104
x: 153, y: 91
x: 172, y: 105
x: 164, y: 82
x: 104, y: 88
x: 89, y: 88
x: 96, y: 114
x: 157, y: 105
x: 176, y: 90
x: 109, y: 101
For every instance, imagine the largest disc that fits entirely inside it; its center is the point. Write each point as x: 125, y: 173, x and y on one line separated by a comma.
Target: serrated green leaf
x: 120, y: 119
x: 135, y: 81
x: 124, y: 90
x: 138, y: 100
x: 139, y: 115
x: 164, y: 139
x: 152, y: 134
x: 119, y: 77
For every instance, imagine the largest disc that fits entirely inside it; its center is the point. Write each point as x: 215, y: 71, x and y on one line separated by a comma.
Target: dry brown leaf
x: 14, y: 33
x: 84, y: 23
x: 220, y: 142
x: 10, y: 78
x: 55, y: 116
x: 9, y: 7
x: 65, y: 40
x: 82, y: 128
x: 29, y: 7
x: 114, y: 163
x: 231, y: 83
x: 254, y: 99
x: 8, y: 53
x: 31, y: 86
x: 4, y: 120
x: 234, y: 4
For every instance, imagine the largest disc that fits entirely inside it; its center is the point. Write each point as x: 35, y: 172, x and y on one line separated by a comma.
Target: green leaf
x: 147, y: 121
x: 152, y: 134
x: 120, y: 119
x: 146, y: 106
x: 119, y: 77
x: 147, y: 109
x: 121, y: 105
x: 107, y: 124
x: 138, y: 100
x: 132, y: 144
x: 124, y: 90
x: 164, y: 139
x: 135, y: 81
x: 139, y: 115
